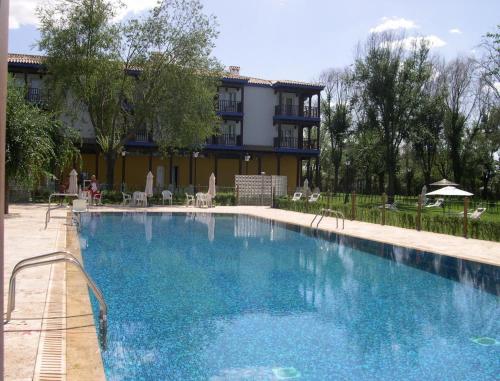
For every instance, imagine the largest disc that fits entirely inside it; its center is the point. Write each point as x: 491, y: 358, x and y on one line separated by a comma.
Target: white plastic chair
x: 127, y: 199
x: 190, y: 201
x: 166, y: 195
x: 201, y: 200
x: 297, y: 196
x: 140, y: 198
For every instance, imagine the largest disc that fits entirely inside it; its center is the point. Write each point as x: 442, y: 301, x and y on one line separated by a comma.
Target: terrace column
x: 319, y: 105
x: 299, y: 171
x: 278, y: 164
x: 97, y: 163
x: 170, y: 169
x: 279, y: 135
x: 215, y: 165
x: 318, y: 172
x: 190, y: 169
x: 318, y: 136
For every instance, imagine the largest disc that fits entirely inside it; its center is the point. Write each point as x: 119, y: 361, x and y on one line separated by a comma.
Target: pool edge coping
x: 486, y: 261
x: 83, y: 353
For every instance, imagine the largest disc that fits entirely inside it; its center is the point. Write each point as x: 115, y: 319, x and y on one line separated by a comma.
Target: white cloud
x: 393, y: 23
x: 409, y: 42
x: 455, y: 31
x: 23, y: 12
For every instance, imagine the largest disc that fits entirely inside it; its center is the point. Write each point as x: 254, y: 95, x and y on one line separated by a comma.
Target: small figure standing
x: 94, y: 188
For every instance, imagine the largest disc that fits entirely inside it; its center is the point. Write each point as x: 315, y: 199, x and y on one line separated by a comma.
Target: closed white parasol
x: 149, y: 184
x: 211, y: 186
x: 73, y: 182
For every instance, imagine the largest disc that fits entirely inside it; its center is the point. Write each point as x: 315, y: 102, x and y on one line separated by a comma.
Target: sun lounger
x: 314, y: 197
x: 475, y: 215
x: 297, y: 196
x: 437, y: 204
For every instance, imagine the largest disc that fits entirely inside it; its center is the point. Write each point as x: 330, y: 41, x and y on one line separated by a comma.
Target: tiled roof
x: 31, y: 59
x: 270, y: 82
x: 26, y: 59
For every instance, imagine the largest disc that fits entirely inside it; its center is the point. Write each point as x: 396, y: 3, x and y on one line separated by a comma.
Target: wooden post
x: 353, y: 206
x: 384, y: 201
x: 466, y: 207
x: 419, y: 213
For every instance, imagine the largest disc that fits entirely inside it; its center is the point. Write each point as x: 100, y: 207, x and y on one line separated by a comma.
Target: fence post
x: 237, y: 196
x: 466, y: 207
x: 384, y: 200
x: 419, y: 213
x: 353, y: 206
x: 272, y: 197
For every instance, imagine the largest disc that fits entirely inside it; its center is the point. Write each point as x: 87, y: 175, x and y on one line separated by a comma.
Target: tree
x: 336, y: 110
x: 38, y: 145
x: 155, y: 73
x: 427, y: 126
x: 490, y: 62
x: 390, y: 76
x: 460, y: 103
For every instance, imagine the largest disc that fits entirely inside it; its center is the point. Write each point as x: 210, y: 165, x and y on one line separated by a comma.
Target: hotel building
x: 270, y: 126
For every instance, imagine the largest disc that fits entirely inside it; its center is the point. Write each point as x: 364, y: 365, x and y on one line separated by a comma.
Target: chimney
x: 234, y: 70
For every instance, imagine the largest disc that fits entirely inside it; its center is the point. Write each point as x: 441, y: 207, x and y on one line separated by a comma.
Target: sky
x: 298, y: 39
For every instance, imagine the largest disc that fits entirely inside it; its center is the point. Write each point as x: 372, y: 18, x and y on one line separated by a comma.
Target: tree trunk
x: 6, y: 197
x: 110, y: 158
x: 391, y: 177
x: 381, y: 185
x: 368, y: 182
x: 427, y: 177
x: 456, y: 162
x: 336, y: 178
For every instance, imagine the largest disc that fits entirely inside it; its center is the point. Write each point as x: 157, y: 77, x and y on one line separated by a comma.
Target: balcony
x: 229, y: 107
x: 296, y: 112
x: 225, y: 140
x: 37, y: 96
x: 295, y: 143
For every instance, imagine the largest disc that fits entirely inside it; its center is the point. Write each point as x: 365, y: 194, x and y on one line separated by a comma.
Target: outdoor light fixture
x: 196, y: 154
x: 124, y: 153
x: 247, y: 157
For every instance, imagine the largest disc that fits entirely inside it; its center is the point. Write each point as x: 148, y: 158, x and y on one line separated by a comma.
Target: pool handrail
x: 51, y: 258
x: 324, y: 212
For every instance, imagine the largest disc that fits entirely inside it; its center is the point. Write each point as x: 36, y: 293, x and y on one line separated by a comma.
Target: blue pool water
x: 198, y: 297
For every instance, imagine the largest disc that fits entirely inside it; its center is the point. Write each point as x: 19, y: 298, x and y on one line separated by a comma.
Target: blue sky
x: 297, y: 39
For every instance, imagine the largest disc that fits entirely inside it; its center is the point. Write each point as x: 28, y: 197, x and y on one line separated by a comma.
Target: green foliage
x: 391, y: 80
x: 368, y: 210
x: 37, y: 144
x: 153, y: 73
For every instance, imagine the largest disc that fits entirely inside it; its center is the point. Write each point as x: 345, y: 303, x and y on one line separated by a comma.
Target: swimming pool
x: 231, y: 297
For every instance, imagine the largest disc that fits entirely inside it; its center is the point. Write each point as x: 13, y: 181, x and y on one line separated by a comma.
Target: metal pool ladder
x: 48, y: 259
x: 328, y: 212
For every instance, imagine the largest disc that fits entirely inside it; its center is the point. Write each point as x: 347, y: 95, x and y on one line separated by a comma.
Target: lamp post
x: 247, y: 159
x: 195, y: 156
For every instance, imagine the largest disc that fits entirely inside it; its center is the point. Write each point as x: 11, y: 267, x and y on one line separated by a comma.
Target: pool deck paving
x: 51, y: 334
